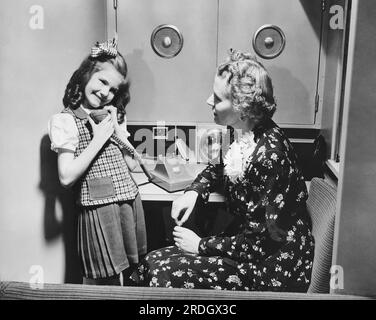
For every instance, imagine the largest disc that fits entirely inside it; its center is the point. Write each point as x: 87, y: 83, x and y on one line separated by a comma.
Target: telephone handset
x: 98, y: 116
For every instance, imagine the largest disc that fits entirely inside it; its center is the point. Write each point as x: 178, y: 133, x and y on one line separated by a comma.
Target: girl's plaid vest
x: 107, y: 179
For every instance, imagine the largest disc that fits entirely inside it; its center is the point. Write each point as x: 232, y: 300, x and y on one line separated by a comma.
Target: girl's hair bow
x: 108, y: 48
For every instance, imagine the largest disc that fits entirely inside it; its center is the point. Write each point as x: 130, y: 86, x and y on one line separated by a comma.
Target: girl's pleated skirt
x: 111, y: 238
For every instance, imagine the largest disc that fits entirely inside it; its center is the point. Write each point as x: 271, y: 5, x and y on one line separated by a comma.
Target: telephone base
x: 171, y: 185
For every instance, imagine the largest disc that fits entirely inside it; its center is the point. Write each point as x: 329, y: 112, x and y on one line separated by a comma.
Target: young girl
x: 111, y: 225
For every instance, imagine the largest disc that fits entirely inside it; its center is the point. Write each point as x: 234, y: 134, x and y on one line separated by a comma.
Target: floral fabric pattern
x: 272, y: 248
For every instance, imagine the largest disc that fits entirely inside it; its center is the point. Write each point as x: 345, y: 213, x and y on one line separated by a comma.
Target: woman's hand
x: 102, y: 131
x: 186, y: 239
x: 184, y: 203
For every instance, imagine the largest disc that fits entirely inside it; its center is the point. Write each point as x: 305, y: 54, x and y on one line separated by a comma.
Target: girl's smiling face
x: 102, y: 86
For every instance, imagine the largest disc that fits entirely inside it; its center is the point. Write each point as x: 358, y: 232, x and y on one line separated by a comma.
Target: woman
x: 272, y: 248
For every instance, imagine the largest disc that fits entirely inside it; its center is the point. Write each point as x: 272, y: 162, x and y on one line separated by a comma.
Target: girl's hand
x: 120, y: 130
x: 186, y: 239
x: 102, y: 131
x: 113, y: 112
x: 185, y: 203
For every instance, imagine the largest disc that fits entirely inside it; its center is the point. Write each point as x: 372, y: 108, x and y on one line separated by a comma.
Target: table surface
x: 152, y: 192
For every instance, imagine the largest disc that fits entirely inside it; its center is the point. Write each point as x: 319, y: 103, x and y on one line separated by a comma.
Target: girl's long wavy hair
x: 251, y: 89
x: 75, y: 90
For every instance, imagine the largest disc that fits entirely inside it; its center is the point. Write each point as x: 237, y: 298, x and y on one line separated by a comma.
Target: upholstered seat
x: 321, y: 205
x: 23, y: 290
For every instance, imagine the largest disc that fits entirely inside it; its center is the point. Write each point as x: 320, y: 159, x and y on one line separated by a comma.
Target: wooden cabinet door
x: 174, y: 89
x: 294, y: 71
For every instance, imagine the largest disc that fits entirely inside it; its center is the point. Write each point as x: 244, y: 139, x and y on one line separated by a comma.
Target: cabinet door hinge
x: 317, y: 100
x: 323, y: 5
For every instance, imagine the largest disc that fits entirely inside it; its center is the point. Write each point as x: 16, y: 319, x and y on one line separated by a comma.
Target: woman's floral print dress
x: 272, y: 249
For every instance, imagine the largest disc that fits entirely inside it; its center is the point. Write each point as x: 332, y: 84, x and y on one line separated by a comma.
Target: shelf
x: 333, y: 166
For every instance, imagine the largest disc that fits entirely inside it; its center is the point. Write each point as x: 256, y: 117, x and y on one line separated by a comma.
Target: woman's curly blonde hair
x: 251, y: 89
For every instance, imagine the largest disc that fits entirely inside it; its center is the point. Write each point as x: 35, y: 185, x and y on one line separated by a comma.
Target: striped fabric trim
x: 321, y: 205
x: 22, y: 290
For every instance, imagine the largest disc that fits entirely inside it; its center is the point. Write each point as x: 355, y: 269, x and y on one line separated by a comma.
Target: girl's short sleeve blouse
x: 63, y: 132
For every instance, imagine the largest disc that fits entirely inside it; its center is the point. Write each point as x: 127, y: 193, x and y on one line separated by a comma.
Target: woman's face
x: 102, y: 86
x: 219, y: 101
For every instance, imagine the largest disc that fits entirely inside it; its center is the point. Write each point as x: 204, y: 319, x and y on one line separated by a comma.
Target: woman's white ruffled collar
x: 236, y: 157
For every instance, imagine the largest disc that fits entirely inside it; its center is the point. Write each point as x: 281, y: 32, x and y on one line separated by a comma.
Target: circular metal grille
x: 269, y: 41
x: 166, y: 41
